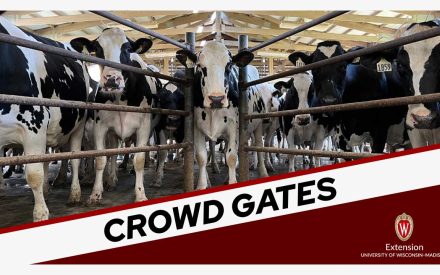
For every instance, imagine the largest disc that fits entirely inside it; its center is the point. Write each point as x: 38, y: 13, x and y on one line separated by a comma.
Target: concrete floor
x: 16, y: 201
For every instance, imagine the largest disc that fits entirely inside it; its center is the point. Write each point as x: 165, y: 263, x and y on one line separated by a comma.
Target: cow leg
x: 291, y: 145
x: 110, y: 176
x: 214, y: 163
x: 46, y: 186
x: 259, y: 143
x: 75, y: 146
x: 157, y: 182
x: 100, y: 162
x: 416, y: 138
x: 201, y: 156
x: 139, y: 160
x: 268, y: 157
x: 35, y: 174
x: 61, y: 178
x: 231, y: 153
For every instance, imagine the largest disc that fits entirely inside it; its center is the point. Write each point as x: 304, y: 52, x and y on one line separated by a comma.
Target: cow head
x: 171, y: 97
x: 112, y: 45
x: 419, y: 67
x: 329, y: 81
x: 300, y: 89
x: 214, y: 66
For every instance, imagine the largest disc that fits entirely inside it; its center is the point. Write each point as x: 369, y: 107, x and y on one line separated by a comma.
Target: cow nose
x: 424, y: 122
x: 328, y: 100
x: 173, y: 118
x: 216, y: 101
x: 303, y: 120
x: 112, y: 81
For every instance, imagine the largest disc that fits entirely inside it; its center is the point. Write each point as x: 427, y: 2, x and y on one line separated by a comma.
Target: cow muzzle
x: 424, y: 122
x: 217, y: 101
x: 302, y: 120
x: 329, y: 100
x: 112, y: 81
x: 172, y: 122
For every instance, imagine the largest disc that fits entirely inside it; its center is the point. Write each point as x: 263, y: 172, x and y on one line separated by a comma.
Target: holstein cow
x: 31, y: 73
x: 366, y: 78
x: 419, y: 66
x: 301, y: 129
x: 121, y: 88
x: 216, y: 103
x: 170, y: 126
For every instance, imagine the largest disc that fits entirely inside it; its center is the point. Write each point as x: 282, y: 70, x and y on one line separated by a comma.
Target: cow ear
x: 243, y: 58
x: 300, y: 59
x: 356, y: 60
x: 142, y: 45
x: 391, y: 54
x: 277, y: 93
x: 184, y: 55
x: 80, y: 44
x: 280, y: 85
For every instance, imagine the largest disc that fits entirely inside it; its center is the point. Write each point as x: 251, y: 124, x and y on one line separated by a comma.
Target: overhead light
x: 202, y: 43
x: 195, y: 11
x: 172, y: 59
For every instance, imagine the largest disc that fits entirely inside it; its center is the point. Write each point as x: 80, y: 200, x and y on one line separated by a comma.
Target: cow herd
x: 413, y: 69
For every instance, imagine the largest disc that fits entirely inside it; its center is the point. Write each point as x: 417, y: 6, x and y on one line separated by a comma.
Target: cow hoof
x: 41, y: 214
x: 156, y: 184
x: 94, y: 200
x: 59, y: 183
x: 141, y: 198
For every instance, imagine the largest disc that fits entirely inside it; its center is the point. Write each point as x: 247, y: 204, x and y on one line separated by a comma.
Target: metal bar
x: 188, y: 162
x: 243, y: 168
x: 34, y: 101
x: 317, y: 153
x: 135, y: 26
x: 351, y: 55
x: 88, y: 58
x: 85, y: 154
x: 296, y: 30
x: 379, y: 103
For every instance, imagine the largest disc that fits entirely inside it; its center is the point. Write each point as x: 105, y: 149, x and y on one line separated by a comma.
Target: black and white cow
x: 122, y: 88
x: 170, y: 96
x: 216, y: 104
x: 419, y: 66
x: 356, y: 81
x: 31, y: 73
x: 305, y: 128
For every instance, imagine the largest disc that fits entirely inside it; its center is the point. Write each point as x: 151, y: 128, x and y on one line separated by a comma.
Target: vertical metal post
x: 188, y: 164
x: 243, y: 169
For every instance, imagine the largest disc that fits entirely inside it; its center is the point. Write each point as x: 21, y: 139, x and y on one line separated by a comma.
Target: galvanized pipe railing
x: 137, y: 27
x: 298, y: 29
x: 36, y: 101
x: 379, y: 103
x: 243, y: 164
x: 351, y: 55
x: 188, y: 160
x: 16, y: 160
x: 315, y: 153
x: 88, y: 58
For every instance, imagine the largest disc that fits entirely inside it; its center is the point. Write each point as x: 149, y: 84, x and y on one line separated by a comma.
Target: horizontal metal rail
x: 298, y: 29
x: 135, y: 26
x: 66, y: 53
x: 379, y: 103
x: 85, y: 154
x: 351, y: 55
x: 316, y: 153
x: 35, y: 101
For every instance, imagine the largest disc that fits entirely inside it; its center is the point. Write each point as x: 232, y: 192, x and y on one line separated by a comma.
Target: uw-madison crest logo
x: 404, y: 226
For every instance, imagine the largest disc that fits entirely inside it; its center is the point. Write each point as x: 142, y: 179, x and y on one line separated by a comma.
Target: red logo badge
x: 404, y: 226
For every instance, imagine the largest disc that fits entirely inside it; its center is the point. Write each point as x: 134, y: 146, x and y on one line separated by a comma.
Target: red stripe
x: 218, y: 189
